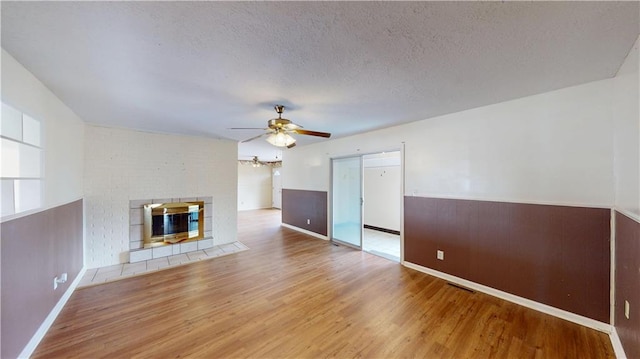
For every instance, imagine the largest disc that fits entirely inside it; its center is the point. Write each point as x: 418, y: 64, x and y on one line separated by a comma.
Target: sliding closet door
x: 347, y: 201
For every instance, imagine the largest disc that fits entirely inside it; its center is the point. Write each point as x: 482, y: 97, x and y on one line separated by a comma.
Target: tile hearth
x: 120, y: 271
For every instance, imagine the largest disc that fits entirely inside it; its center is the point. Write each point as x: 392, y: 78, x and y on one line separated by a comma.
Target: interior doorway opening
x: 276, y: 188
x: 382, y: 184
x: 366, y: 203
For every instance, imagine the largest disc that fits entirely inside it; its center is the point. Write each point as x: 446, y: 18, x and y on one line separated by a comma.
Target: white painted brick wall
x: 123, y: 165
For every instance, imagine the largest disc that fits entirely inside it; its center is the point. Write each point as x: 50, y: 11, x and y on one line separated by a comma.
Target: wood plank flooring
x: 295, y: 296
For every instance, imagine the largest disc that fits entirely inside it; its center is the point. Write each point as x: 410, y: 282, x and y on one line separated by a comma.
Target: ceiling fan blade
x: 312, y: 133
x: 247, y: 128
x: 254, y: 138
x: 292, y: 145
x: 291, y: 126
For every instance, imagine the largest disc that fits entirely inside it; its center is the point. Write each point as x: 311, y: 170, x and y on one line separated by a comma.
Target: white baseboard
x: 617, y: 345
x: 314, y: 234
x: 44, y: 327
x: 563, y: 314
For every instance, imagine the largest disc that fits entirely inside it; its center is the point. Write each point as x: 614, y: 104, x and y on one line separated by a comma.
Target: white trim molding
x: 627, y: 213
x: 506, y: 200
x: 314, y: 234
x: 44, y: 327
x: 556, y: 312
x: 612, y: 268
x: 618, y: 349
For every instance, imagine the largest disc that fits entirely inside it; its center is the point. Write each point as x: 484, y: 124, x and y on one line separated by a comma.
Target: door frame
x: 400, y: 148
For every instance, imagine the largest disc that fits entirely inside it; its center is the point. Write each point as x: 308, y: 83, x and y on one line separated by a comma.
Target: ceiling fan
x: 279, y: 131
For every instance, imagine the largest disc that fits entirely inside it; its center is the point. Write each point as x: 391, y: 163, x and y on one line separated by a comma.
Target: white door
x: 276, y: 196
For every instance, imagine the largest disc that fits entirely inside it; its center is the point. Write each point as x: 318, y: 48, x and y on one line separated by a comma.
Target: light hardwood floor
x: 295, y: 296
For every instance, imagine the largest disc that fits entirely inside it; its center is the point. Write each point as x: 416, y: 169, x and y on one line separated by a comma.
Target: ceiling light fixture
x: 280, y: 139
x: 279, y: 129
x: 255, y: 162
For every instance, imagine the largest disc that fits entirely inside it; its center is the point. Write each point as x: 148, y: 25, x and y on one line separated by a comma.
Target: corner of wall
x: 42, y: 330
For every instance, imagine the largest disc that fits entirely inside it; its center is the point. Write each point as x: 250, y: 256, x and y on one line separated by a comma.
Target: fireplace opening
x: 167, y: 223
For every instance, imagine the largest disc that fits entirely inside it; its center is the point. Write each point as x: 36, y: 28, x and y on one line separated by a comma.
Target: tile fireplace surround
x: 138, y: 253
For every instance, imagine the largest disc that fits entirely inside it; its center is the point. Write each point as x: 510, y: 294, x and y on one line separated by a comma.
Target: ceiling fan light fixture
x: 280, y: 139
x: 279, y: 129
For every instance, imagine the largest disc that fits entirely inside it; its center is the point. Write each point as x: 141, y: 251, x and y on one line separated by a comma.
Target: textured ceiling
x: 199, y: 68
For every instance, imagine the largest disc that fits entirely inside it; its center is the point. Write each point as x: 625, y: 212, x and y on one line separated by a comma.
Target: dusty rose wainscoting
x: 555, y: 255
x: 35, y: 249
x: 628, y: 283
x: 300, y: 205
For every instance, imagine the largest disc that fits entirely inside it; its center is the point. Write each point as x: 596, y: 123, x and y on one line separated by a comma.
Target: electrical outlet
x: 626, y: 309
x: 308, y: 221
x: 56, y: 280
x: 440, y: 255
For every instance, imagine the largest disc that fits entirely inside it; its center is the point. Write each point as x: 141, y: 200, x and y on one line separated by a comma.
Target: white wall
x: 254, y: 187
x: 626, y: 116
x: 123, y: 165
x: 555, y: 148
x: 382, y: 190
x: 62, y: 139
x: 62, y: 129
x: 382, y: 197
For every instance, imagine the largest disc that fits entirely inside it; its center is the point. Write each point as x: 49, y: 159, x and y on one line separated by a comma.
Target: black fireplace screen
x: 174, y: 223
